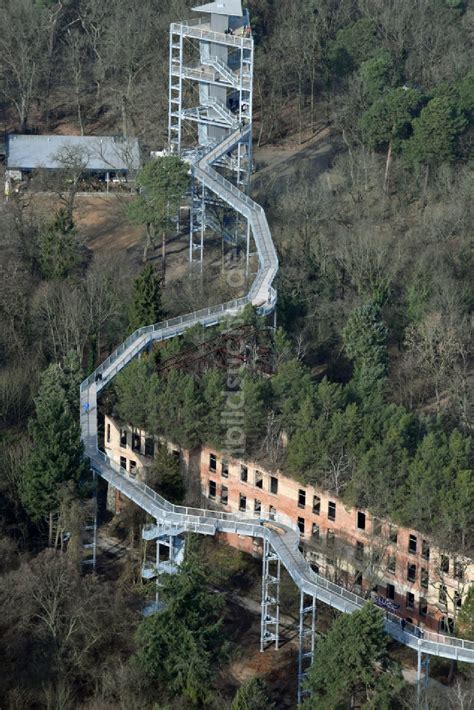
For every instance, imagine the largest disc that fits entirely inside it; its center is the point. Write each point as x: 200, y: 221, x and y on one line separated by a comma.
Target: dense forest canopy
x: 346, y: 438
x: 370, y: 105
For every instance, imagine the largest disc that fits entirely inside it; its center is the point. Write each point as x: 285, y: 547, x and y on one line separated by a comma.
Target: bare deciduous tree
x: 22, y: 54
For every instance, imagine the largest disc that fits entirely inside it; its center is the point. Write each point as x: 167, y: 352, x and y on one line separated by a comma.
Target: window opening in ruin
x: 316, y: 505
x: 212, y: 462
x: 272, y: 513
x: 411, y: 573
x: 149, y: 446
x: 123, y: 438
x: 242, y: 502
x: 331, y: 510
x: 212, y: 489
x: 136, y: 441
x: 258, y: 479
x: 410, y: 600
x: 108, y: 433
x: 224, y: 495
x: 273, y: 485
x: 225, y: 469
x: 425, y: 549
x: 444, y: 564
x: 360, y: 520
x: 390, y: 593
x: 301, y: 498
x: 301, y: 525
x: 447, y: 625
x: 412, y: 544
x: 133, y: 468
x: 391, y: 564
x: 123, y: 462
x: 257, y: 506
x: 424, y: 578
x: 330, y: 537
x: 244, y: 473
x: 315, y: 532
x: 423, y: 606
x: 457, y: 599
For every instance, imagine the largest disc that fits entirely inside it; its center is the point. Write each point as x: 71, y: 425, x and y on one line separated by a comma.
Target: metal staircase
x: 232, y: 78
x: 281, y: 544
x: 226, y: 117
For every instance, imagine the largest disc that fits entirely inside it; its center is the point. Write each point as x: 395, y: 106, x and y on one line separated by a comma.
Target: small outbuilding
x: 109, y: 158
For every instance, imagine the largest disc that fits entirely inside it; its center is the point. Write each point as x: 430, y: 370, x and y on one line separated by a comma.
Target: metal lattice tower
x: 210, y: 97
x: 307, y: 639
x: 270, y: 612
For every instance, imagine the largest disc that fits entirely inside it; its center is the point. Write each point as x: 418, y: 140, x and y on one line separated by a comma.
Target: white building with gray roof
x: 98, y: 154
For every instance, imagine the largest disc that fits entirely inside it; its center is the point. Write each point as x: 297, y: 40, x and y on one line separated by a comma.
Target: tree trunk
x: 23, y: 115
x: 124, y: 117
x: 50, y: 531
x: 79, y: 108
x: 387, y: 168
x: 163, y: 254
x: 452, y: 671
x: 148, y: 242
x: 425, y: 186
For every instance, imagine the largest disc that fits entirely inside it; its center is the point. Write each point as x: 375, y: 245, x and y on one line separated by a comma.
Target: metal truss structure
x: 222, y: 350
x: 270, y: 612
x: 210, y: 97
x: 222, y: 145
x: 307, y: 639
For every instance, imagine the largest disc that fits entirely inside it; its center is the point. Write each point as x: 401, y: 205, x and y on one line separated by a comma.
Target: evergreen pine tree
x: 57, y: 248
x: 465, y: 620
x: 57, y: 453
x: 146, y: 306
x: 351, y: 667
x: 365, y: 338
x: 182, y: 645
x: 163, y: 181
x: 214, y: 388
x: 436, y: 131
x: 252, y: 695
x: 165, y: 475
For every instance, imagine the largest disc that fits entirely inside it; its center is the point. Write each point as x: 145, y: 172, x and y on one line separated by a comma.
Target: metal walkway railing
x: 262, y: 295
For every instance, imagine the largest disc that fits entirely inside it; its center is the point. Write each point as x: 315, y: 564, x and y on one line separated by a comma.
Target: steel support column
x: 89, y: 531
x: 94, y: 533
x: 247, y: 254
x: 270, y: 619
x: 157, y: 562
x: 191, y: 220
x: 307, y: 638
x: 422, y: 676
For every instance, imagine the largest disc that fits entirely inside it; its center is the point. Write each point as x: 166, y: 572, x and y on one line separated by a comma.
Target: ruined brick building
x: 399, y: 567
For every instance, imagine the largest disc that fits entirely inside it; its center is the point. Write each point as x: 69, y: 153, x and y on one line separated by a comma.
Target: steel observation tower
x: 210, y: 97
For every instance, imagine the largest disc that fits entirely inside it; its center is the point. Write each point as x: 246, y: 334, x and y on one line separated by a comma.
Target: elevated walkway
x: 283, y: 540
